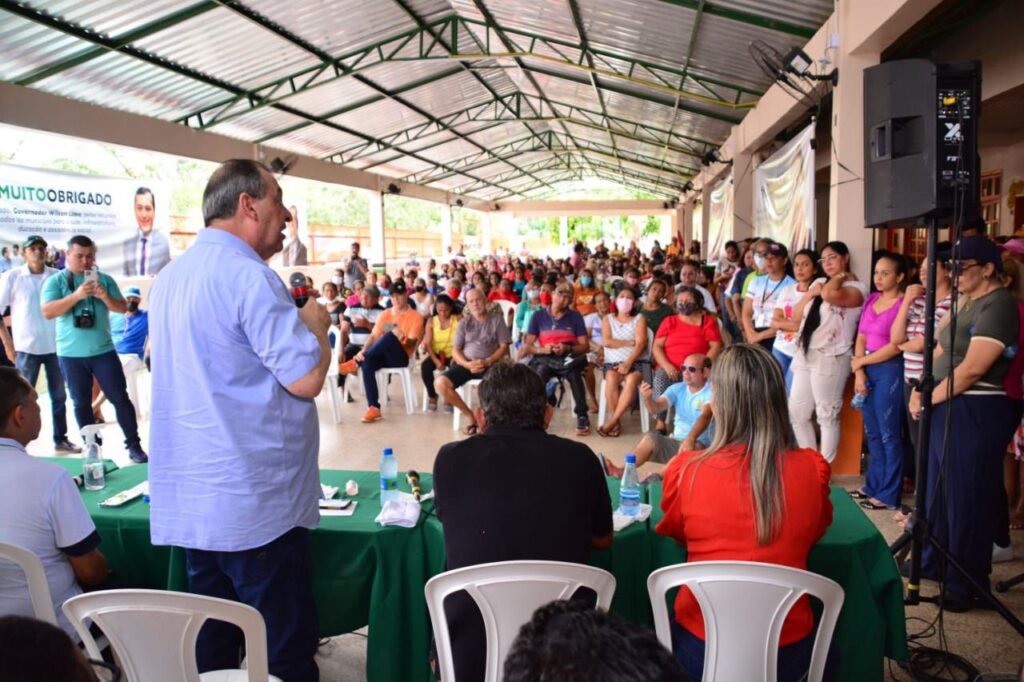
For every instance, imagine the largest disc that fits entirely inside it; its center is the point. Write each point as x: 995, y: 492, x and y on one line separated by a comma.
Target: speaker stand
x: 917, y: 532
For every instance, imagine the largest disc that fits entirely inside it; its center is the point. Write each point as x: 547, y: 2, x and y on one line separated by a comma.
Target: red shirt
x: 709, y: 507
x: 683, y: 339
x: 499, y: 295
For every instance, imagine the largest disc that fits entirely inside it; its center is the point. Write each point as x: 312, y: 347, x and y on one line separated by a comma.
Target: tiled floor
x: 981, y: 637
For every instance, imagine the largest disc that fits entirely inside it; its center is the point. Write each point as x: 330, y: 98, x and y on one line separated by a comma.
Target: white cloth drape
x: 720, y: 218
x: 784, y: 194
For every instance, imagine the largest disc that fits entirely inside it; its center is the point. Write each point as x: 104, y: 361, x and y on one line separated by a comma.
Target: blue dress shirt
x: 233, y: 454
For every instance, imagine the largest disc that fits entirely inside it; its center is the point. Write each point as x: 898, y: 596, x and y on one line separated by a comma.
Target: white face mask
x: 760, y: 261
x: 337, y: 280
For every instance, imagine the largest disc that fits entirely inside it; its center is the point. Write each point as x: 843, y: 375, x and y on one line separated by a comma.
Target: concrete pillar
x: 377, y: 250
x: 846, y: 195
x: 742, y: 197
x: 563, y: 233
x: 705, y: 216
x: 446, y: 227
x: 684, y: 220
x: 485, y: 228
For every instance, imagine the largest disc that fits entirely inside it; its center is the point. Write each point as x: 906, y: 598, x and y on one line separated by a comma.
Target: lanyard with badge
x: 763, y: 320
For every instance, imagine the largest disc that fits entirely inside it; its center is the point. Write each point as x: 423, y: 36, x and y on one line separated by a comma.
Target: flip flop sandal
x: 868, y: 504
x: 471, y: 430
x: 858, y: 494
x: 601, y: 432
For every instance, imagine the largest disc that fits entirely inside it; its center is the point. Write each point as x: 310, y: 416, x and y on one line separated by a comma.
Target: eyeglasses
x: 693, y: 369
x: 829, y: 258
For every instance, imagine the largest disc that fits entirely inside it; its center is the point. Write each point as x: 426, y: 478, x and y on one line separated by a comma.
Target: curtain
x: 719, y: 219
x: 784, y: 194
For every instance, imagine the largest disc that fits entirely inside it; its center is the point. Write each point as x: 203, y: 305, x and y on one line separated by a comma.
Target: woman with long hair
x: 878, y: 372
x: 438, y: 341
x: 976, y: 349
x: 751, y: 496
x: 624, y: 334
x: 828, y: 314
x: 806, y: 269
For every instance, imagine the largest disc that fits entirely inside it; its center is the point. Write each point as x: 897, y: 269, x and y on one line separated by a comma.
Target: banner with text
x: 127, y: 218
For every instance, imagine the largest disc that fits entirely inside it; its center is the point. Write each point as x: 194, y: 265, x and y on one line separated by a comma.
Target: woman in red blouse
x: 690, y: 331
x: 751, y: 496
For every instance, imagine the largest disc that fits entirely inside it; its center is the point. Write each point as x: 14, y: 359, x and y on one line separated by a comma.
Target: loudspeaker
x: 920, y: 141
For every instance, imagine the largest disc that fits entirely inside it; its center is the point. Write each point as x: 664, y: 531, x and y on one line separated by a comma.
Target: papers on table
x: 620, y: 520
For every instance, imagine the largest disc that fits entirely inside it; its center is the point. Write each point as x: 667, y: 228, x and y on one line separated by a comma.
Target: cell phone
x: 92, y: 275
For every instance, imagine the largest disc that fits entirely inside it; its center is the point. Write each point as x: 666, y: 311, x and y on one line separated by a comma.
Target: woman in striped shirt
x: 908, y: 335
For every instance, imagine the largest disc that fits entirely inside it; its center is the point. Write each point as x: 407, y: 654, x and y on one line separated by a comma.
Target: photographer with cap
x: 34, y: 343
x: 131, y: 337
x: 81, y: 299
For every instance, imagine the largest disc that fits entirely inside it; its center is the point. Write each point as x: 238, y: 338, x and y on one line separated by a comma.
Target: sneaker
x: 582, y: 426
x: 372, y: 415
x: 138, y: 455
x: 432, y: 405
x: 448, y: 408
x: 64, y: 445
x: 350, y: 367
x: 1001, y: 554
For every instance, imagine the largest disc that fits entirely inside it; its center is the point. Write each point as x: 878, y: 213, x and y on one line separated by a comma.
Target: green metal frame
x: 742, y: 17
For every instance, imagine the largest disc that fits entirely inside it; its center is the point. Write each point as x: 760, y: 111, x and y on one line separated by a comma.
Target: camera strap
x: 71, y: 290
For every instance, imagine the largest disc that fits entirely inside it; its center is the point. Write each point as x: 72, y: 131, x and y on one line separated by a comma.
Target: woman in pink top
x: 878, y: 368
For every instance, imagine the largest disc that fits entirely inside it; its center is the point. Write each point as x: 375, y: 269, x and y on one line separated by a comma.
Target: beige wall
x: 1010, y: 160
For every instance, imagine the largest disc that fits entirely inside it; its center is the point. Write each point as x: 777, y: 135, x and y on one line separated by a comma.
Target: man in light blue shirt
x: 81, y: 298
x: 235, y: 437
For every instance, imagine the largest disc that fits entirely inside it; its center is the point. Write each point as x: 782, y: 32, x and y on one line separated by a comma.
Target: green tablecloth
x: 854, y: 554
x: 368, y: 575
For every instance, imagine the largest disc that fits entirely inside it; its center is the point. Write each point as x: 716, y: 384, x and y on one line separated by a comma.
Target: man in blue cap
x: 130, y: 331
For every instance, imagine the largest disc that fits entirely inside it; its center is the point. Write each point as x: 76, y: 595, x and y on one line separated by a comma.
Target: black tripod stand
x: 917, y: 533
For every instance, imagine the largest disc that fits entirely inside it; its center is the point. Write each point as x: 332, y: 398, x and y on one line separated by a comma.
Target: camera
x: 84, y: 320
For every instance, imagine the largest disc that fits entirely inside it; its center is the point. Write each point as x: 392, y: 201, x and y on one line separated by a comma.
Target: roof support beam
x: 746, y: 18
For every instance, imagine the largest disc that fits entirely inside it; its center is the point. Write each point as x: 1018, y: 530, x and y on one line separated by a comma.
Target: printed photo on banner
x: 127, y: 218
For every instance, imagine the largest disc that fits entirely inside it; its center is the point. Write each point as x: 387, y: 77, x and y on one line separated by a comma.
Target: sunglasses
x: 693, y: 369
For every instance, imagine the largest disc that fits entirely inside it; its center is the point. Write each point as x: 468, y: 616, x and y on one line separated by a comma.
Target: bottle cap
x: 388, y: 452
x: 631, y: 459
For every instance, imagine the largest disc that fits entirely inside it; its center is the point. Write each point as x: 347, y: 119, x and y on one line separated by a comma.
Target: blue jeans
x: 386, y: 351
x: 107, y: 369
x: 784, y: 362
x: 883, y: 422
x: 276, y: 580
x: 793, y: 662
x: 29, y: 366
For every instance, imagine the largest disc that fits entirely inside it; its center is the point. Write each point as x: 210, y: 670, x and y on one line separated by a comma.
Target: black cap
x: 398, y: 287
x: 777, y: 249
x: 32, y: 240
x: 982, y: 250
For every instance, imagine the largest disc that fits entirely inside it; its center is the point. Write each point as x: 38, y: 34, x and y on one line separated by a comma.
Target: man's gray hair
x: 233, y: 178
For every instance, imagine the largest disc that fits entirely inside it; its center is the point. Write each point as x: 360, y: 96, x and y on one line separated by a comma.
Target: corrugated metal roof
x: 213, y: 65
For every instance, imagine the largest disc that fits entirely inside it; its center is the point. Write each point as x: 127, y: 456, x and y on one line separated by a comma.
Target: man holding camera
x: 81, y: 299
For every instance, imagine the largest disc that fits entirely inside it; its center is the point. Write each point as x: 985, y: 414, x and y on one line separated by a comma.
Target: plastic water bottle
x: 629, y: 488
x: 92, y: 460
x: 388, y: 477
x: 857, y: 402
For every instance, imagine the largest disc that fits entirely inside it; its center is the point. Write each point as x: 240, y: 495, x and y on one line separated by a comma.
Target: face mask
x: 420, y: 290
x: 133, y: 306
x: 586, y: 281
x: 545, y: 298
x: 532, y: 293
x: 454, y: 293
x: 624, y: 305
x: 337, y: 280
x: 760, y: 261
x: 431, y: 290
x: 687, y: 308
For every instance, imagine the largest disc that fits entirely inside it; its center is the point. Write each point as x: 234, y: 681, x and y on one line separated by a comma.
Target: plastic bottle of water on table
x: 629, y: 488
x: 92, y: 459
x: 388, y: 477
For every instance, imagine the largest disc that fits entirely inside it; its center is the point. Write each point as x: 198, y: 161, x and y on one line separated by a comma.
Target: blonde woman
x: 752, y: 496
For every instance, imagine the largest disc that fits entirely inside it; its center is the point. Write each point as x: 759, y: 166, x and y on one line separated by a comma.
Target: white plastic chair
x: 744, y: 605
x: 405, y: 374
x: 35, y: 575
x: 506, y: 307
x: 507, y: 593
x: 331, y: 381
x: 154, y: 633
x: 602, y: 401
x: 465, y: 392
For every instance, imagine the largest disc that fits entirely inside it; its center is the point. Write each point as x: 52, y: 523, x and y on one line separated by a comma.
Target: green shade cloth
x: 368, y: 575
x: 853, y: 553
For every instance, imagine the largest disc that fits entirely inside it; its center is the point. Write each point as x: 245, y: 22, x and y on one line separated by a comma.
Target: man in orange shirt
x: 391, y: 344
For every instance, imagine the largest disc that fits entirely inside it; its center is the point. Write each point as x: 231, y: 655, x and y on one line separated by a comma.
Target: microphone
x: 300, y: 292
x: 414, y: 482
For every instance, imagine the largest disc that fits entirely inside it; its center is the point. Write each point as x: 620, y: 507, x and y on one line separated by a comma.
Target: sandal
x: 859, y: 495
x: 601, y: 432
x: 471, y: 429
x: 868, y: 504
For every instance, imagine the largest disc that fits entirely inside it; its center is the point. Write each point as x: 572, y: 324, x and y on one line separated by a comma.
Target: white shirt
x: 42, y: 511
x: 764, y: 293
x: 838, y: 328
x: 21, y: 290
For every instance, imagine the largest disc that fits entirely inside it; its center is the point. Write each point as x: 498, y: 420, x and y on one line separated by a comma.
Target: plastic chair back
x: 154, y: 632
x: 744, y: 605
x: 506, y: 308
x: 507, y: 593
x: 35, y: 575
